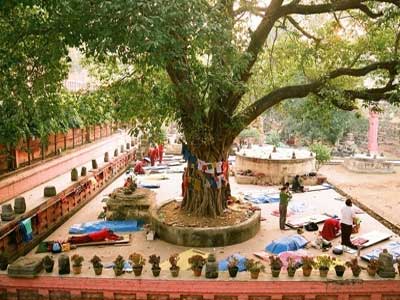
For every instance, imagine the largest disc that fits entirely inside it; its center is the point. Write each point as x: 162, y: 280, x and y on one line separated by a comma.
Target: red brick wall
x: 73, y: 137
x: 128, y: 287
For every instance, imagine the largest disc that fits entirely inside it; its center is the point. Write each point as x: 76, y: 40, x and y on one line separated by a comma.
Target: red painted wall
x: 129, y: 287
x: 73, y: 138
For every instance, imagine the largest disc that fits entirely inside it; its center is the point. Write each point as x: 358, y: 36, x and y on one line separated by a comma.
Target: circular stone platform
x: 362, y: 163
x: 206, y: 237
x: 279, y: 167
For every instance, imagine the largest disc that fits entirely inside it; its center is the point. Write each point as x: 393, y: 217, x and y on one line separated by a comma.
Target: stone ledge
x: 206, y: 237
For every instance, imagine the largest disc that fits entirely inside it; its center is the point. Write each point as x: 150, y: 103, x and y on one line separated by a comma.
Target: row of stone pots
x: 322, y: 263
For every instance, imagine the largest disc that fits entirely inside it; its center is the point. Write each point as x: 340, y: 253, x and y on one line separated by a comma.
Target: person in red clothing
x: 97, y: 236
x: 153, y: 153
x: 331, y: 229
x: 160, y: 152
x: 139, y: 166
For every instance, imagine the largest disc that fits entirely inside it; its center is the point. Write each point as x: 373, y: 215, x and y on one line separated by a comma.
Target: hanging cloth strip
x: 26, y: 229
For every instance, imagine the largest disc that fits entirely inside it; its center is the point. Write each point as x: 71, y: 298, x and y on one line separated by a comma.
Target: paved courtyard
x: 316, y: 202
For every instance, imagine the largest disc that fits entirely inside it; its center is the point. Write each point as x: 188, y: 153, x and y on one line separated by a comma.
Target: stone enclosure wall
x: 276, y: 171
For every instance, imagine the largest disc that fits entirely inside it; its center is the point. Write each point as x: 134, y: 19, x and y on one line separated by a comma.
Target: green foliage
x: 324, y: 262
x: 322, y: 154
x: 273, y: 138
x: 314, y: 119
x: 249, y: 133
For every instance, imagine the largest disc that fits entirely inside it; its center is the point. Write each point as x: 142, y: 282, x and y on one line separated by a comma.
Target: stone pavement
x: 379, y: 192
x: 312, y: 202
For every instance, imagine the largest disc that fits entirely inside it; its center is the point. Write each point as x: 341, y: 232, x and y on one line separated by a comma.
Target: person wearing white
x: 346, y: 224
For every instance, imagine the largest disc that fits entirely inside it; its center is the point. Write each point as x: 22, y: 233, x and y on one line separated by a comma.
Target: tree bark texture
x: 200, y: 197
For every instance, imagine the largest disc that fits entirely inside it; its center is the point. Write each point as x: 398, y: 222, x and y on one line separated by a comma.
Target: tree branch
x: 333, y: 7
x: 257, y: 40
x: 299, y: 28
x: 301, y: 91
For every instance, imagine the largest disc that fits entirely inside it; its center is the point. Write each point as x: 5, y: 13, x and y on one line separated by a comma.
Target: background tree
x: 322, y: 154
x: 30, y: 71
x: 313, y: 119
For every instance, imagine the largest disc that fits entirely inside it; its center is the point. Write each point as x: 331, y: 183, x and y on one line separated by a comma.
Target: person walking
x: 346, y: 224
x: 284, y: 198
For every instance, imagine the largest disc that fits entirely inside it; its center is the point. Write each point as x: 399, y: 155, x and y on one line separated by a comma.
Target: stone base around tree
x: 206, y: 236
x: 368, y: 165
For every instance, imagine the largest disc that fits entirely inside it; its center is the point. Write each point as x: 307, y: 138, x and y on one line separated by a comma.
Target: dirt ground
x: 174, y: 216
x: 379, y: 192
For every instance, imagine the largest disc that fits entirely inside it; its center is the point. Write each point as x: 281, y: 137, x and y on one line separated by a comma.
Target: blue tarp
x: 116, y: 226
x: 223, y: 264
x: 287, y: 243
x: 148, y: 185
x: 260, y: 198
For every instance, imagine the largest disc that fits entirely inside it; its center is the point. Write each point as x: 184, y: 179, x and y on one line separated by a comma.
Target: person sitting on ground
x: 284, y: 198
x: 331, y: 229
x: 346, y: 224
x: 297, y: 187
x: 139, y: 166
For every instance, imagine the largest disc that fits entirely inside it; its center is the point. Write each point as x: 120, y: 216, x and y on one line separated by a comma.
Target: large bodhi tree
x: 212, y: 53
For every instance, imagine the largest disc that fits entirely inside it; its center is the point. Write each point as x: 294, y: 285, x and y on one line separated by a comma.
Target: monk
x: 160, y: 152
x: 331, y: 229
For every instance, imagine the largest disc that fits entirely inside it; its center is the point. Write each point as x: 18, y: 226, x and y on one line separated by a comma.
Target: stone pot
x: 3, y: 265
x: 94, y: 164
x: 254, y: 274
x: 340, y: 271
x: 83, y: 171
x: 7, y: 212
x: 63, y: 264
x: 233, y: 271
x: 77, y: 269
x: 118, y: 272
x: 49, y: 191
x: 98, y: 270
x: 49, y: 267
x: 275, y: 272
x: 106, y: 157
x: 74, y: 174
x: 174, y: 271
x: 137, y: 270
x: 307, y: 272
x: 19, y: 205
x: 372, y: 271
x: 197, y: 271
x: 323, y: 272
x: 291, y: 272
x: 356, y: 271
x: 156, y: 271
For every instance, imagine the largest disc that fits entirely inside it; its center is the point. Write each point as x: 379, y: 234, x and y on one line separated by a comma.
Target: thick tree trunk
x: 206, y: 194
x: 201, y: 197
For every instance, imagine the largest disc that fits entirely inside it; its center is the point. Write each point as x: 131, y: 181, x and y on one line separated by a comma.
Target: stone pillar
x: 373, y: 132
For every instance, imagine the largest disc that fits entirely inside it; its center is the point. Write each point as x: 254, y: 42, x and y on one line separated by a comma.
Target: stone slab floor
x: 314, y: 202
